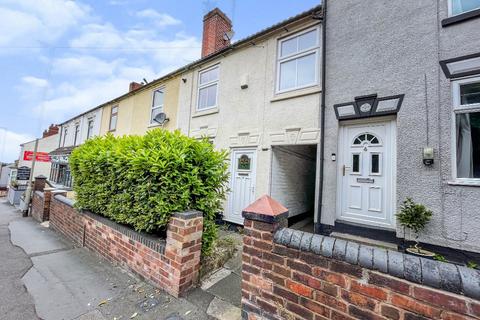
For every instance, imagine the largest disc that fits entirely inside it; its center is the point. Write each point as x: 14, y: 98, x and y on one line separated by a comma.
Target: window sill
x: 461, y: 18
x: 155, y: 125
x: 295, y: 93
x: 465, y: 183
x: 205, y: 112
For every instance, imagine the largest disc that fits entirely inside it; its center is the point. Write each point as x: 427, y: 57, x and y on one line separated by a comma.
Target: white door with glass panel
x: 366, y: 174
x: 242, y: 184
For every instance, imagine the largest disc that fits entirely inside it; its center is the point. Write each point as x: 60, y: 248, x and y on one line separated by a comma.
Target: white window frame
x: 206, y: 85
x: 65, y: 135
x: 90, y: 132
x: 450, y: 9
x: 315, y: 49
x: 111, y: 116
x: 162, y: 88
x: 457, y: 109
x: 76, y: 133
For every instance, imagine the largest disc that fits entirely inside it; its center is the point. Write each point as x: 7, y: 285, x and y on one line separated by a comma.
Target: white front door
x: 242, y: 183
x: 366, y: 174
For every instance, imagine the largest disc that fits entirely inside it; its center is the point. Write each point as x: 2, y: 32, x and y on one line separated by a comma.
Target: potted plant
x: 415, y: 217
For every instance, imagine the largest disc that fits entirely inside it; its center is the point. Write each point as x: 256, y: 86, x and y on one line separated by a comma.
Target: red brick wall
x: 41, y: 205
x: 215, y: 25
x: 37, y: 206
x: 172, y: 265
x: 291, y: 282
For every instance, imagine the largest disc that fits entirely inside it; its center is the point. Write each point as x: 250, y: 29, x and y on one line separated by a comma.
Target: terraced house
x: 259, y: 98
x: 143, y: 107
x: 394, y: 117
x: 401, y: 119
x: 399, y: 102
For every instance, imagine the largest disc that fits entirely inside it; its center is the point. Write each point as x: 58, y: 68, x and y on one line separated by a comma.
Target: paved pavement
x: 15, y: 301
x: 44, y: 277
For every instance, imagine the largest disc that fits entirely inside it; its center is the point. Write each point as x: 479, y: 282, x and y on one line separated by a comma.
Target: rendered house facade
x: 72, y: 133
x: 134, y: 113
x: 259, y: 99
x: 388, y: 101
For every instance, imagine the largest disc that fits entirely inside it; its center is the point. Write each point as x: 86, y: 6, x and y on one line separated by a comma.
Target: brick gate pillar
x: 184, y: 249
x: 262, y: 219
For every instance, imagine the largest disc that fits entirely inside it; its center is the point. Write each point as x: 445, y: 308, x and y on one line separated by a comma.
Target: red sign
x: 41, y: 156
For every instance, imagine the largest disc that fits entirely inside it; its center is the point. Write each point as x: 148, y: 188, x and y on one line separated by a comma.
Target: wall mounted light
x: 428, y: 156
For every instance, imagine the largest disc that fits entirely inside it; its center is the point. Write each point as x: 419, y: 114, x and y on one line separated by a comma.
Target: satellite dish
x: 161, y: 118
x: 228, y: 35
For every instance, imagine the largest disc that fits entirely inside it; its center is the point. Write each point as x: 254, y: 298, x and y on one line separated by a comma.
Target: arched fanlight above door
x: 366, y: 138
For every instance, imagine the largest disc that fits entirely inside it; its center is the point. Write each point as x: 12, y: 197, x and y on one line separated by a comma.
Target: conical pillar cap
x: 265, y: 209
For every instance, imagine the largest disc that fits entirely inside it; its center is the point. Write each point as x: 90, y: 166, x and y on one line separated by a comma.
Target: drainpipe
x: 317, y: 225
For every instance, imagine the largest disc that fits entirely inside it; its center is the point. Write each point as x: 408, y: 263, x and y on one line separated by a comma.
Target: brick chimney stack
x: 215, y: 25
x: 134, y: 86
x: 52, y: 130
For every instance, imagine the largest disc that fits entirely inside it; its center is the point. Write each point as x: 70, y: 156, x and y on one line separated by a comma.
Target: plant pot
x: 420, y: 252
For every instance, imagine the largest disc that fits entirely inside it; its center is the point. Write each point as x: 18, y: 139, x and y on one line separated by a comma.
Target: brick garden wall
x: 37, y: 206
x: 41, y: 205
x: 171, y: 264
x: 291, y: 274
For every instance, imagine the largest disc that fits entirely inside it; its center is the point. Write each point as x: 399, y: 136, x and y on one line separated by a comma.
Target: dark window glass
x: 244, y: 162
x: 356, y: 163
x: 470, y: 93
x: 468, y: 145
x: 375, y: 163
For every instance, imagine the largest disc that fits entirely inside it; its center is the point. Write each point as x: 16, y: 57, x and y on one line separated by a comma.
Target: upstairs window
x: 466, y: 97
x: 65, y: 133
x: 90, y: 128
x: 77, y: 134
x: 297, y: 60
x: 207, y: 88
x: 113, y: 118
x: 157, y: 104
x: 462, y: 6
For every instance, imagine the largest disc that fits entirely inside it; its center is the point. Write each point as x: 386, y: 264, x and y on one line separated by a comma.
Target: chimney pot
x: 215, y: 25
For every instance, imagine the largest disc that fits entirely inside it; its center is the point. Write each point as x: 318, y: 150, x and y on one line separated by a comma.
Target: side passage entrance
x: 366, y: 174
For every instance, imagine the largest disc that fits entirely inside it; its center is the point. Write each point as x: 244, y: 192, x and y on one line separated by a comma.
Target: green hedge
x: 141, y: 180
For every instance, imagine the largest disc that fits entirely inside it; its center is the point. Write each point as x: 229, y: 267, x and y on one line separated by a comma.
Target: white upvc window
x: 76, y: 136
x: 208, y: 88
x: 298, y: 60
x: 90, y: 124
x: 65, y: 135
x: 113, y: 118
x: 157, y: 103
x: 466, y: 108
x: 456, y: 7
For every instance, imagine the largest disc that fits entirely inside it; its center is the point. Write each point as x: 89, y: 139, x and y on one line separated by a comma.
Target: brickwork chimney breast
x: 134, y: 86
x: 215, y: 25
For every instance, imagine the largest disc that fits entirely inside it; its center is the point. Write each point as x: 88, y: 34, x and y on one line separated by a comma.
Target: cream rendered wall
x: 47, y: 144
x: 134, y: 111
x: 253, y: 117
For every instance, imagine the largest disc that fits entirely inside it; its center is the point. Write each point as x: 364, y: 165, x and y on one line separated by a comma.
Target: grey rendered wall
x: 389, y: 48
x: 293, y: 178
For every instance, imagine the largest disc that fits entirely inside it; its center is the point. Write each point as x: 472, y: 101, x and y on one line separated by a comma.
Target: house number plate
x: 365, y: 180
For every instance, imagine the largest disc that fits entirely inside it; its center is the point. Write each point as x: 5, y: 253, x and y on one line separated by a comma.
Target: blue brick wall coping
x: 151, y: 241
x: 432, y: 273
x: 39, y: 193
